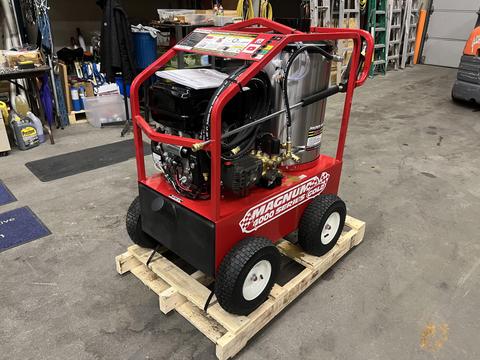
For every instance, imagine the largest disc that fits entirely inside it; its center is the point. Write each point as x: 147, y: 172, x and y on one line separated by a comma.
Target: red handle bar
x: 365, y: 35
x: 270, y: 25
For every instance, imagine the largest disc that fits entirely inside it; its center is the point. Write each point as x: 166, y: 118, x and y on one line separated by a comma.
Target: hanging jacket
x: 47, y: 100
x: 116, y: 42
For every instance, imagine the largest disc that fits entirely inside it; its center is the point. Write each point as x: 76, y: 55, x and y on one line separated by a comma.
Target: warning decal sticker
x: 314, y: 137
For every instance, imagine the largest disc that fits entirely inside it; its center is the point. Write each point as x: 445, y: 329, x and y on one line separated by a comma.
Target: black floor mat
x: 60, y: 166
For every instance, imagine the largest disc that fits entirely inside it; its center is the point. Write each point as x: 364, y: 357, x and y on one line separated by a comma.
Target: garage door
x: 450, y: 25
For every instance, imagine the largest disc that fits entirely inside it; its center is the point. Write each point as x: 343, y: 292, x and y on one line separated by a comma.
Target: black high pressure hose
x: 205, y: 133
x: 245, y: 139
x: 284, y: 83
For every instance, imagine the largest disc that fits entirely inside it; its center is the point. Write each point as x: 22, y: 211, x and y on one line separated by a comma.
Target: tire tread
x: 231, y: 267
x: 134, y: 226
x: 311, y: 222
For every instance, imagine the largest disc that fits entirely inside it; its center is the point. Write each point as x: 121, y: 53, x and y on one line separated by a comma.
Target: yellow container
x: 21, y: 105
x: 4, y: 111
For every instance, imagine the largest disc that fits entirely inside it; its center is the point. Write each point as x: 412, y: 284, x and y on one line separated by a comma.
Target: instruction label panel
x: 238, y: 45
x: 222, y: 43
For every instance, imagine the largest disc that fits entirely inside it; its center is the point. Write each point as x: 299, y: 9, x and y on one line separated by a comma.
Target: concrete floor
x: 410, y: 291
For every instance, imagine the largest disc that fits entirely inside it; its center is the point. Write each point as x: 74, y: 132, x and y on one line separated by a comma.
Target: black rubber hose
x: 292, y: 58
x: 245, y: 148
x: 205, y: 133
x: 245, y: 139
x: 260, y: 109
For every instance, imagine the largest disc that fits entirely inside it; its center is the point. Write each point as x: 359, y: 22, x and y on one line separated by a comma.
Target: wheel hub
x: 330, y: 228
x: 257, y: 280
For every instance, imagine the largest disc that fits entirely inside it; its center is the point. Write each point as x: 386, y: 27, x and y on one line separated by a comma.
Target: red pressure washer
x: 239, y: 164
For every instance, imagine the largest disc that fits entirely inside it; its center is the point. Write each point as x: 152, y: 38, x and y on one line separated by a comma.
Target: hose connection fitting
x: 199, y: 146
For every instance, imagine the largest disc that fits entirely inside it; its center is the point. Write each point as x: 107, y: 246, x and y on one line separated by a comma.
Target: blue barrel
x: 119, y: 82
x: 76, y: 102
x: 145, y: 49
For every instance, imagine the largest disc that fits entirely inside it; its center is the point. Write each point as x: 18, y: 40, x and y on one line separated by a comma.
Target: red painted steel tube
x: 164, y: 138
x: 365, y: 35
x: 138, y: 122
x: 246, y: 76
x: 291, y: 36
x: 329, y: 34
x: 352, y: 83
x: 269, y: 24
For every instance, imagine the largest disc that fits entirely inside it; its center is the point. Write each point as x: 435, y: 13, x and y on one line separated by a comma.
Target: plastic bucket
x: 145, y: 47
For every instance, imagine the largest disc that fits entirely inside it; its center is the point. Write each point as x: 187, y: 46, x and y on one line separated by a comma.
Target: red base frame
x: 269, y: 213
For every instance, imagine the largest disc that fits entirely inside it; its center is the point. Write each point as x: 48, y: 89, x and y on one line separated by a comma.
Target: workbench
x: 10, y: 74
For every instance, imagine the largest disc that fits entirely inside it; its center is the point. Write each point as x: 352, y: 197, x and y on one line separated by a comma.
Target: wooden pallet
x: 187, y: 294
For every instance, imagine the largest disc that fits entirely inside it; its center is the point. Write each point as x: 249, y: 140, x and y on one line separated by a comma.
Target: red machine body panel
x: 232, y: 205
x: 278, y: 212
x: 270, y: 213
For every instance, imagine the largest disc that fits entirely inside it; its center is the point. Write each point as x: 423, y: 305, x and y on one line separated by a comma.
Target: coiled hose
x: 239, y: 144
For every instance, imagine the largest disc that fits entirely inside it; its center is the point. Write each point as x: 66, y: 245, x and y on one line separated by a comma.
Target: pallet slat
x: 151, y: 280
x: 206, y: 324
x: 174, y: 276
x: 190, y: 288
x: 170, y: 299
x: 125, y: 262
x: 294, y: 252
x: 187, y: 294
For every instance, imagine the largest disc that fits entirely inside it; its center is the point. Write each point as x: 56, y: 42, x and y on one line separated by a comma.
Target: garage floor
x: 410, y: 291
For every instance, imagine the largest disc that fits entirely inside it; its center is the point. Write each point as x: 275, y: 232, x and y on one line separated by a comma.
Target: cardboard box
x: 66, y: 86
x: 16, y: 57
x: 4, y: 87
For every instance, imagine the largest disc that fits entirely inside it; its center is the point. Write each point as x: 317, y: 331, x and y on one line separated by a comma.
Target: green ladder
x: 377, y: 25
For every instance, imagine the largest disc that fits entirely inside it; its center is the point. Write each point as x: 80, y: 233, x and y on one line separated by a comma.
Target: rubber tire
x: 457, y: 100
x: 313, y: 221
x: 234, y: 268
x: 134, y: 226
x: 464, y: 102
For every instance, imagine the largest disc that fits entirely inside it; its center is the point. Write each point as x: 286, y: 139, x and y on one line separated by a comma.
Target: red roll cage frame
x: 252, y: 26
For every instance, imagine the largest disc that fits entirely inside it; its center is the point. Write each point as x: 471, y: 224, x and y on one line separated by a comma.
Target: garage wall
x: 449, y: 28
x: 66, y: 16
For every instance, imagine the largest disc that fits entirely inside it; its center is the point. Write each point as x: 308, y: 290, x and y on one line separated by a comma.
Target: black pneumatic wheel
x: 246, y: 275
x: 134, y: 226
x: 456, y: 100
x: 321, y: 224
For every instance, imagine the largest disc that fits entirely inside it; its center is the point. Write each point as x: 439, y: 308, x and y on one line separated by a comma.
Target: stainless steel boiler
x: 309, y: 73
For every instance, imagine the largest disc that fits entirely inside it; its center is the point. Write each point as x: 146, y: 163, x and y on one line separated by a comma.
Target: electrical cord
x: 363, y: 5
x: 171, y: 174
x: 245, y: 9
x: 266, y: 10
